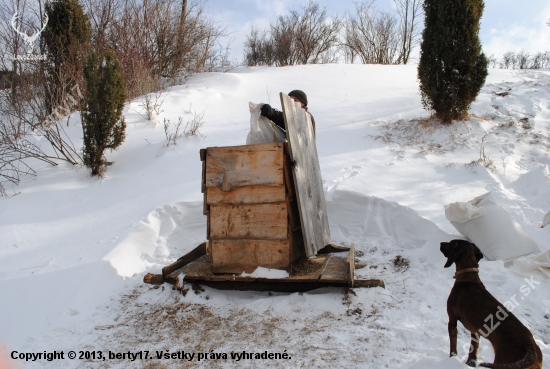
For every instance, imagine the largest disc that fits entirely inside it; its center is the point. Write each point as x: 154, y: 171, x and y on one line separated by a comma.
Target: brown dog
x: 484, y: 316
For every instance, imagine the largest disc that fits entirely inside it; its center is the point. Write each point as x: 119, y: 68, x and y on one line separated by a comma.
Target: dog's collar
x: 467, y: 270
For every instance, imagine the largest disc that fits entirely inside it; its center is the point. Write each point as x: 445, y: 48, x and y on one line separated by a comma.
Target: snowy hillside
x: 74, y: 249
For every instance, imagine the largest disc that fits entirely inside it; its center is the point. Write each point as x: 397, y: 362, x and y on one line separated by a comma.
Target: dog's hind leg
x: 474, y: 346
x: 453, y: 336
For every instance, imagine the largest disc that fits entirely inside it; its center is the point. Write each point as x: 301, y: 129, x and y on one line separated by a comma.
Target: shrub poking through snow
x: 452, y: 67
x: 102, y: 121
x: 400, y: 263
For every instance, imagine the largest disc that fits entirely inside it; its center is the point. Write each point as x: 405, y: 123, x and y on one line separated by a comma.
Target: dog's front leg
x: 474, y: 346
x: 453, y: 333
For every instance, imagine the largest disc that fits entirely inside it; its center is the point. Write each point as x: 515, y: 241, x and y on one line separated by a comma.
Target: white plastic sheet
x: 262, y: 130
x: 491, y: 228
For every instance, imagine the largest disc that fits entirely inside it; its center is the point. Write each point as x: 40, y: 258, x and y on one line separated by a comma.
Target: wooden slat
x: 297, y: 244
x: 307, y: 176
x: 153, y: 278
x: 265, y: 221
x: 293, y: 214
x: 208, y: 225
x: 194, y: 254
x: 238, y: 166
x: 289, y: 182
x: 246, y: 195
x: 203, y: 181
x: 237, y: 256
x: 350, y: 265
x: 368, y: 283
x: 291, y: 201
x: 335, y: 270
x: 204, y: 204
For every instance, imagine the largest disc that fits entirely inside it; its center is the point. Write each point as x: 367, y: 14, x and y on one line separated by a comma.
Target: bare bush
x: 192, y: 127
x: 315, y: 34
x: 508, y: 61
x: 151, y: 105
x: 28, y: 115
x: 172, y: 37
x: 24, y: 123
x: 258, y: 48
x: 372, y: 36
x: 492, y: 61
x: 174, y: 131
x: 524, y: 60
x: 153, y: 91
x: 172, y: 136
x: 157, y: 39
x: 410, y: 26
x: 308, y: 36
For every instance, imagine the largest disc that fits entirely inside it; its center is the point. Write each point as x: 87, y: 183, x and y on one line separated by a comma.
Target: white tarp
x: 262, y: 130
x: 491, y: 228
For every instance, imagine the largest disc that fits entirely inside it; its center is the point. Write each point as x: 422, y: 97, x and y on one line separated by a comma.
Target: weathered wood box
x: 252, y: 212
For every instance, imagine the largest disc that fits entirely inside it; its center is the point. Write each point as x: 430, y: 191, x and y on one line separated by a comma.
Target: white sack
x: 461, y: 212
x: 545, y: 220
x: 531, y: 264
x: 262, y: 130
x: 496, y: 233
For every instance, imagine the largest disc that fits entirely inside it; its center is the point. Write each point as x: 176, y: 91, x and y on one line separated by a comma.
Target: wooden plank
x: 330, y: 248
x: 203, y: 186
x: 289, y: 181
x: 209, y: 250
x: 153, y: 278
x: 262, y: 284
x: 205, y: 204
x: 263, y: 221
x: 208, y: 225
x: 237, y: 256
x: 203, y: 181
x: 311, y: 275
x: 307, y: 176
x: 350, y: 265
x: 297, y: 250
x: 246, y: 195
x: 335, y: 269
x: 250, y: 165
x: 368, y: 283
x: 196, y: 253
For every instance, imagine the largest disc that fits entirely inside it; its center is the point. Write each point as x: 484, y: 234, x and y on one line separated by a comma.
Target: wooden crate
x: 250, y: 203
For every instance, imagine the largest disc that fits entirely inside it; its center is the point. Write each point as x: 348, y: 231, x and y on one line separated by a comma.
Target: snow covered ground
x: 74, y: 249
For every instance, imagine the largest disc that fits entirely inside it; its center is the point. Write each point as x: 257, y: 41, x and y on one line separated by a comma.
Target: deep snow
x: 74, y: 249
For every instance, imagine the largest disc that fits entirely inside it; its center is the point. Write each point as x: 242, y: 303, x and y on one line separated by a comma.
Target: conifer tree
x: 66, y: 39
x: 452, y: 67
x: 102, y: 121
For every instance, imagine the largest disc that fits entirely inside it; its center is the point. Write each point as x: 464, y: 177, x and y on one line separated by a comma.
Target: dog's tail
x: 528, y: 360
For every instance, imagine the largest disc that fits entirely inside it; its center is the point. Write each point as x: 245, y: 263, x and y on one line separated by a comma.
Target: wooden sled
x: 334, y: 269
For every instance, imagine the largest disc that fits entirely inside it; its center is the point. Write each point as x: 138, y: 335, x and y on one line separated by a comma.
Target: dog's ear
x: 453, y: 255
x: 477, y: 253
